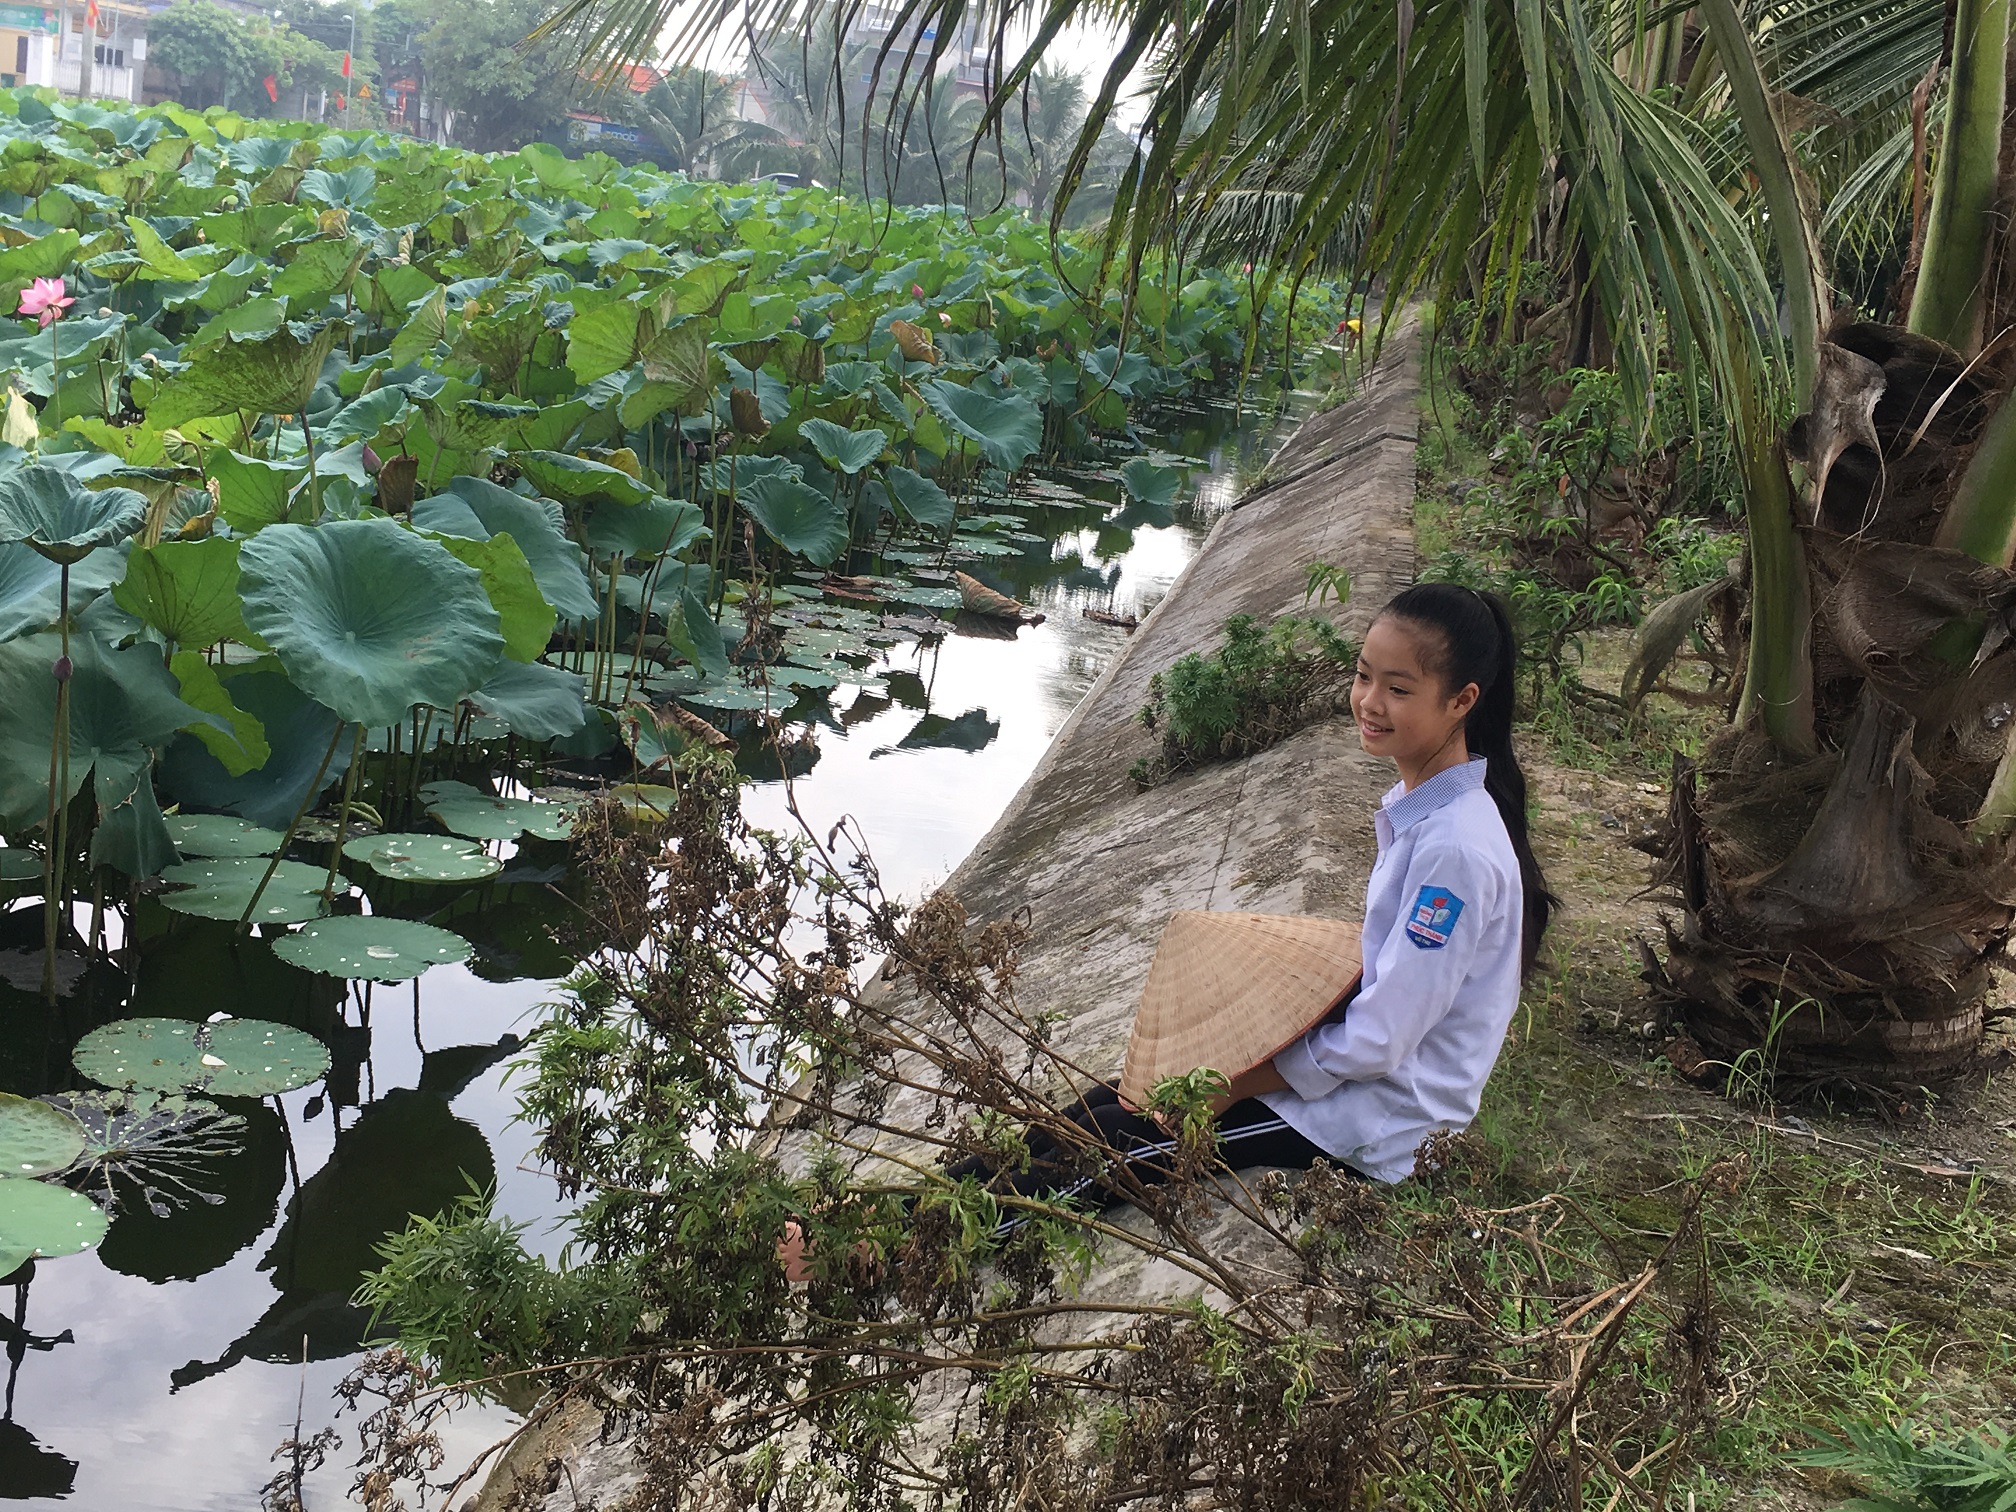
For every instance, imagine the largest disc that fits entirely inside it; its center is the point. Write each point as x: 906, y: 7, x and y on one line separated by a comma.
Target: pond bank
x: 1100, y: 865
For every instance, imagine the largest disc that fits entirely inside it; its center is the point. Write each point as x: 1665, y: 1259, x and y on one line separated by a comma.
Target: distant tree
x: 503, y: 96
x: 1041, y: 129
x: 207, y: 55
x: 694, y: 116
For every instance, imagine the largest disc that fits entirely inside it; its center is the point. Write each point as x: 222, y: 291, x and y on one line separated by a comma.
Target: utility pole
x: 349, y: 67
x: 85, y: 37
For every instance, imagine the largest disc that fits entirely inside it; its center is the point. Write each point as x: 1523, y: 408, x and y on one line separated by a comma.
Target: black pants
x: 1249, y: 1134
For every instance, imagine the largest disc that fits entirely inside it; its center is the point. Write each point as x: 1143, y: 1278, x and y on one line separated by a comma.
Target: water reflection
x: 27, y: 1469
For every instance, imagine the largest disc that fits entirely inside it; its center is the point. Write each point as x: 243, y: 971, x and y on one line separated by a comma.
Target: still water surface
x: 159, y: 1373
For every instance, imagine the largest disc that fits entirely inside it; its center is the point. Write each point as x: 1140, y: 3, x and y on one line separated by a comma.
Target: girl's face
x: 1404, y: 713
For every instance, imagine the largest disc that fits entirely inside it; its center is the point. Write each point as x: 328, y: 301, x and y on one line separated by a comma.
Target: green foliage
x: 1920, y: 1470
x: 467, y: 1295
x: 1262, y: 684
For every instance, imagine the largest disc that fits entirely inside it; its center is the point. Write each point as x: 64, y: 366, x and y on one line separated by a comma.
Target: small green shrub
x: 1262, y: 684
x: 1916, y: 1470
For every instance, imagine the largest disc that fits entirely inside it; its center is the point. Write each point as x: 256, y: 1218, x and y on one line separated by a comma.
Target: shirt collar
x: 1402, y: 809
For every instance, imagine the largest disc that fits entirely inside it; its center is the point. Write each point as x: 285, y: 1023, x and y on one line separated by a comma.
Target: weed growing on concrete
x: 1262, y: 684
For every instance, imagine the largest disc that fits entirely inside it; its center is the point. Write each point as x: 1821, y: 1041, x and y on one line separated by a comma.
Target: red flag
x: 91, y: 13
x: 272, y: 88
x: 346, y: 56
x: 341, y: 104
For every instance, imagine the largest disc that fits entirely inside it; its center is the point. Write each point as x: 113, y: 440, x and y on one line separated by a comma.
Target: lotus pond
x: 363, y: 505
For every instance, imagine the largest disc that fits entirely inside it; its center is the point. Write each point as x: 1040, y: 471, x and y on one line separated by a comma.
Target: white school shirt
x: 1441, y: 980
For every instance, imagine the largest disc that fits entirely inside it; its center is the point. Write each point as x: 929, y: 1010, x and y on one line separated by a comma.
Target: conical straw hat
x: 1229, y: 990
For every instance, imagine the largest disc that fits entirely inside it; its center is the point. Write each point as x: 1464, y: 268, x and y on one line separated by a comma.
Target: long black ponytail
x: 1470, y: 640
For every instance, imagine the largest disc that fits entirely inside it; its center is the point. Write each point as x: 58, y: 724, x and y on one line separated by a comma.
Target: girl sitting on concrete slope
x: 1454, y: 913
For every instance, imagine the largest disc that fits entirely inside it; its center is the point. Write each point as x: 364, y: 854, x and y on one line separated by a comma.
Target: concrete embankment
x: 1100, y: 866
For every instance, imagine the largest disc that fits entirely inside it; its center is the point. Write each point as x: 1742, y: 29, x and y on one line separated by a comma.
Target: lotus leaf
x: 371, y: 947
x: 423, y: 858
x: 1009, y: 428
x: 797, y: 517
x: 427, y: 325
x: 219, y: 888
x: 122, y: 704
x: 231, y: 1058
x: 218, y: 835
x: 153, y: 1141
x: 577, y: 479
x: 129, y: 834
x: 603, y: 341
x: 921, y: 498
x: 524, y: 618
x: 691, y: 631
x: 188, y: 590
x: 252, y: 493
x: 18, y: 864
x: 1149, y: 484
x: 536, y: 701
x: 31, y: 586
x: 243, y: 747
x: 48, y: 509
x: 297, y: 730
x: 39, y: 1219
x: 478, y: 509
x: 848, y: 451
x: 36, y: 1139
x: 267, y: 375
x: 369, y: 618
x: 742, y: 698
x: 657, y: 527
x: 645, y: 803
x: 476, y: 815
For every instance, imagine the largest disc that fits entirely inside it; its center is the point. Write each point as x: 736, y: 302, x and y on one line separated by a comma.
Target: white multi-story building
x: 45, y: 45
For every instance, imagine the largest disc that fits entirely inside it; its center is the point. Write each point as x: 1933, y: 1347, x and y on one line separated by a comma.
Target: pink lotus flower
x: 45, y: 297
x: 1248, y: 268
x: 916, y: 291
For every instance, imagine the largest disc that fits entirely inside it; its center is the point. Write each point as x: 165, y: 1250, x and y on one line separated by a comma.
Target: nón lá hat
x: 1230, y: 990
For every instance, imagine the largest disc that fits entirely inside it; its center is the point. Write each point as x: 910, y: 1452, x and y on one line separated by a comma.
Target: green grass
x: 1848, y: 1286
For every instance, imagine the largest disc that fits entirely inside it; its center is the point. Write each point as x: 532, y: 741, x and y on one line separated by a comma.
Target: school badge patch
x: 1433, y: 918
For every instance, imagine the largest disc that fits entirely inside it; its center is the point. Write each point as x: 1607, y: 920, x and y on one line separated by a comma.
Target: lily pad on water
x: 742, y: 698
x: 220, y: 887
x: 476, y: 815
x: 153, y: 1141
x: 424, y: 858
x: 216, y: 835
x: 36, y: 1139
x: 38, y: 1218
x: 231, y: 1058
x: 371, y: 947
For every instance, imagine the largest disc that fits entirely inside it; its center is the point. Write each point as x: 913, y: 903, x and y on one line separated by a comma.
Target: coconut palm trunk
x: 1848, y: 900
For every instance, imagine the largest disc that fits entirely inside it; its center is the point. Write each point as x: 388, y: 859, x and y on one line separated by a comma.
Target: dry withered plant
x: 769, y: 1041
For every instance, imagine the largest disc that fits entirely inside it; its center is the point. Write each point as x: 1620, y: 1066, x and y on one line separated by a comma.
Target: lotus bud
x: 103, y: 311
x: 371, y: 462
x: 943, y: 318
x: 61, y: 669
x: 916, y: 291
x: 200, y: 236
x: 1247, y: 269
